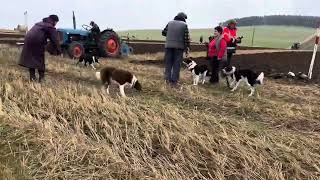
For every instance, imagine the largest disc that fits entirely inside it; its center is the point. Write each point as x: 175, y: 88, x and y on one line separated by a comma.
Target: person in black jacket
x: 95, y: 31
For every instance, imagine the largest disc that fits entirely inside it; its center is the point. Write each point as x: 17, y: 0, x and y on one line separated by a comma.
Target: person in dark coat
x: 33, y: 53
x: 177, y: 41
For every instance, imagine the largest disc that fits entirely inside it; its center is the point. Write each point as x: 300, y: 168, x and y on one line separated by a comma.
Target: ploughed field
x: 67, y: 128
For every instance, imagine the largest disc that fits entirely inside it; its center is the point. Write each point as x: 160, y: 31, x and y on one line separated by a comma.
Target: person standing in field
x: 230, y: 35
x: 201, y: 39
x: 217, y: 53
x: 33, y: 52
x: 177, y: 42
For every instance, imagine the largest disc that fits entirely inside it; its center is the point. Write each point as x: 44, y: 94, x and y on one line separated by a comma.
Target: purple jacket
x: 33, y: 53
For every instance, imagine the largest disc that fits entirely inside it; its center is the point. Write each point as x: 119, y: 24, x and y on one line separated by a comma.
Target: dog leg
x: 95, y: 60
x: 197, y: 80
x: 252, y: 91
x: 249, y: 85
x: 237, y: 85
x: 232, y: 83
x: 194, y: 80
x: 108, y: 92
x: 92, y: 66
x: 121, y: 87
x: 204, y: 75
x: 105, y: 88
x: 251, y: 88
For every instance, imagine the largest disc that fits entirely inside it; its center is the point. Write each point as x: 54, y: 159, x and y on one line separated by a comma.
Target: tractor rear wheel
x: 75, y: 50
x: 109, y: 44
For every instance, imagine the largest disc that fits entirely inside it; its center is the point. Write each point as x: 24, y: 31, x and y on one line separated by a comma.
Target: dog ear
x: 138, y: 86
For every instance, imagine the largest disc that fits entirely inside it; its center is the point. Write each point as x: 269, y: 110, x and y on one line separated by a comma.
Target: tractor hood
x: 73, y: 31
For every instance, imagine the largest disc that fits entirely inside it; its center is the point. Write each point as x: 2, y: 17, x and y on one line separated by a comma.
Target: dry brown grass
x: 68, y: 129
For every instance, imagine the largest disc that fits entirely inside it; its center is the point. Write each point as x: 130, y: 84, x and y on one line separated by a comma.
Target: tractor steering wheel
x: 86, y: 27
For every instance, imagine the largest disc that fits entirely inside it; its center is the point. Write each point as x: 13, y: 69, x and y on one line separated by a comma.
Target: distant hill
x: 284, y: 20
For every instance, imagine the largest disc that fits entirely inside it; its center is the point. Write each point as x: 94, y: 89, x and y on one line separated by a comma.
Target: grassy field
x: 265, y: 36
x: 67, y: 128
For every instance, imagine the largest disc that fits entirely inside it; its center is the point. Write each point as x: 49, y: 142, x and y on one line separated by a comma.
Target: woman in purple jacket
x: 33, y: 53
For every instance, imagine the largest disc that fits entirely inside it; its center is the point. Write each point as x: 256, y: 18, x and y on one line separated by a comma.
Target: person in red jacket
x: 217, y: 53
x: 230, y: 35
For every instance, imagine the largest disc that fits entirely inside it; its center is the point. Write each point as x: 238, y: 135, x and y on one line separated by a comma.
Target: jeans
x: 33, y: 77
x: 173, y: 60
x: 216, y: 67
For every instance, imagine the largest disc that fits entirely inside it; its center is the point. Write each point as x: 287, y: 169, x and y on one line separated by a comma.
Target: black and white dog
x: 199, y: 72
x: 247, y: 76
x: 122, y: 78
x: 90, y: 58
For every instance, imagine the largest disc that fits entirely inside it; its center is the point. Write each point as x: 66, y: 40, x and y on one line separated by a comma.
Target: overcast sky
x: 148, y: 14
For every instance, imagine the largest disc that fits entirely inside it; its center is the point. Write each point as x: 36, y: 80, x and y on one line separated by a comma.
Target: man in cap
x: 33, y: 52
x: 177, y: 42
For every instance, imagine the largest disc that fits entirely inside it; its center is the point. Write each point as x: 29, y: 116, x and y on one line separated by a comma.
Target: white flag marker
x: 314, y: 53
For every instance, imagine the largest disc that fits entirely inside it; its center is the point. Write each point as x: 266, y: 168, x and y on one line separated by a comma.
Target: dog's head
x: 229, y: 70
x: 189, y: 63
x: 260, y: 78
x: 137, y: 86
x: 291, y: 75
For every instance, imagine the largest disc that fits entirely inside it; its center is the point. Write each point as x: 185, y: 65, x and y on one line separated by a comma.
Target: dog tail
x: 98, y: 75
x: 260, y: 78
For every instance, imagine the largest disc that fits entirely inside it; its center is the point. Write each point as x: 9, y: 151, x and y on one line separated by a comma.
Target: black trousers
x: 216, y: 67
x: 33, y: 77
x: 229, y: 57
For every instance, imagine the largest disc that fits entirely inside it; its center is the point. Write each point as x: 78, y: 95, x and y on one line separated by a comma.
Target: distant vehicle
x: 296, y: 46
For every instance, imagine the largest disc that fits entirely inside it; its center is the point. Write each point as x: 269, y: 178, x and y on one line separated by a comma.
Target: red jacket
x: 229, y: 34
x: 212, y: 52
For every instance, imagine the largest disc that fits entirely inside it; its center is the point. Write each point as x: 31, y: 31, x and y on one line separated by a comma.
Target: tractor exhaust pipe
x: 74, y: 21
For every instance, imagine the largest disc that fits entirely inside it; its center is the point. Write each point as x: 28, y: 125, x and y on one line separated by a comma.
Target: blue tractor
x: 76, y: 43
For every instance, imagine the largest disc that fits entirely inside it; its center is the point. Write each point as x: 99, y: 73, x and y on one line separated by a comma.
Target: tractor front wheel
x: 109, y: 44
x: 76, y: 50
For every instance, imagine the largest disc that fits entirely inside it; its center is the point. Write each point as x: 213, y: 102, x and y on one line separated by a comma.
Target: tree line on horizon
x: 285, y: 20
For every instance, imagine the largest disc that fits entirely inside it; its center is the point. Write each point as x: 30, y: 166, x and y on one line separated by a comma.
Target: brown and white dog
x: 110, y: 75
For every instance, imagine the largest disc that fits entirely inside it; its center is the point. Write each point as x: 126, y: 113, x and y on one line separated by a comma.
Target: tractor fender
x: 106, y: 30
